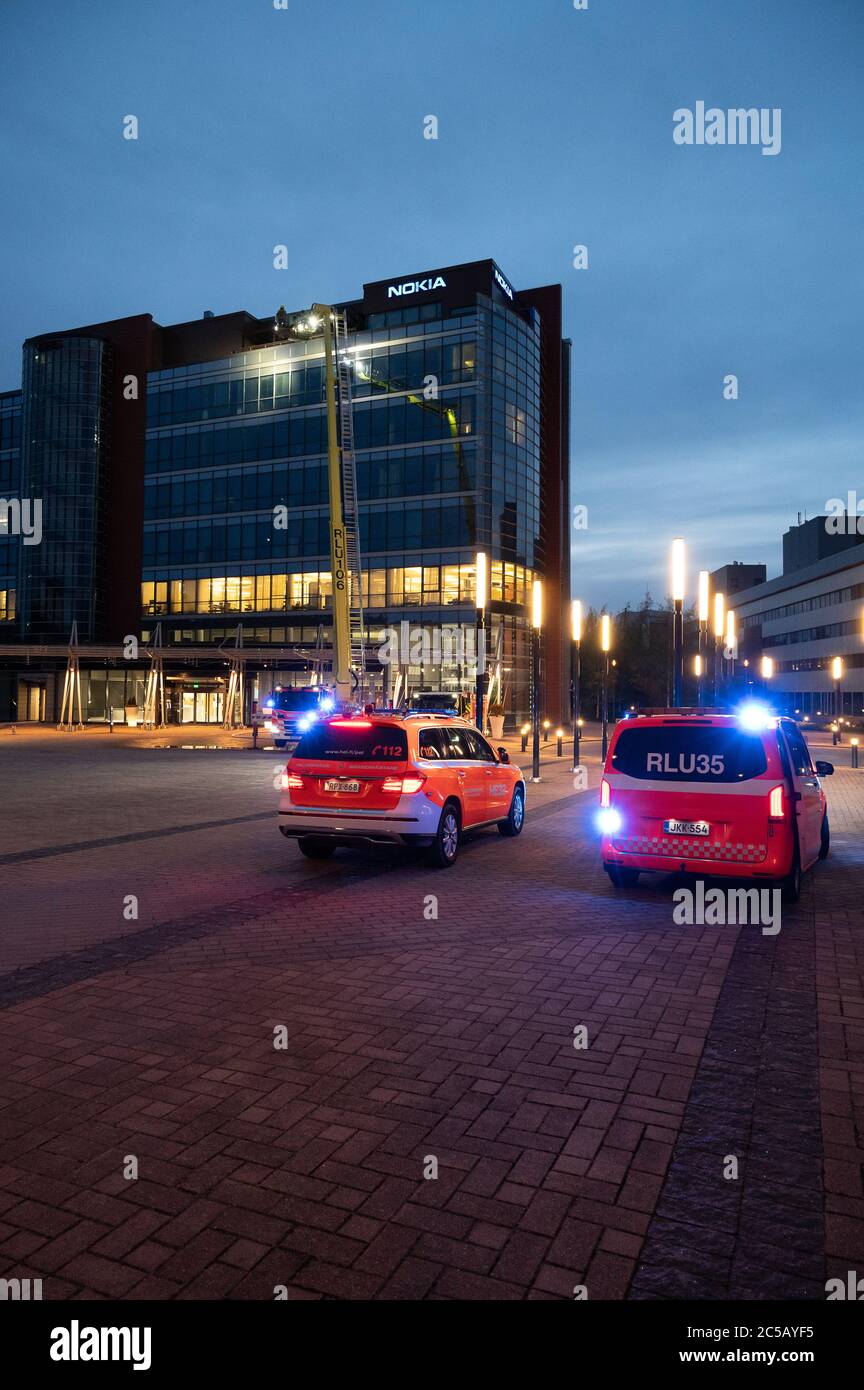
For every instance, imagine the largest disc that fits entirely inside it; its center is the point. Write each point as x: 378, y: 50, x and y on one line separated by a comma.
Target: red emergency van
x: 709, y: 793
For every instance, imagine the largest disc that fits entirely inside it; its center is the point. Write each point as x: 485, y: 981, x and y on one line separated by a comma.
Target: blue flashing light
x: 608, y: 820
x: 328, y: 703
x: 755, y: 718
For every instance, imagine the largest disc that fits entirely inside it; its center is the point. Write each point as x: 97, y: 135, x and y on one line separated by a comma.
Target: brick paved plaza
x: 406, y: 1039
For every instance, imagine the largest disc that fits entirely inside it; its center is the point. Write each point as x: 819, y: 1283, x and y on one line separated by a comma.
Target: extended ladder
x: 349, y: 500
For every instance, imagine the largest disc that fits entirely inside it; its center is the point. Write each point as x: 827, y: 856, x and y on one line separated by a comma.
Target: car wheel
x: 516, y: 816
x: 316, y: 849
x: 825, y: 838
x: 278, y: 743
x: 620, y: 877
x: 445, y: 847
x: 792, y: 883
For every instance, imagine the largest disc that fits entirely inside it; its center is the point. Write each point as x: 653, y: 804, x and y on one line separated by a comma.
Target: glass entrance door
x: 201, y: 707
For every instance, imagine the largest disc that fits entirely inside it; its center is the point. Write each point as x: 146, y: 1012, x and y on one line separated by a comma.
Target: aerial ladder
x: 349, y: 657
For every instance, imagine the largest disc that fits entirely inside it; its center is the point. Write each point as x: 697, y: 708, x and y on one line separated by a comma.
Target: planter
x: 496, y: 726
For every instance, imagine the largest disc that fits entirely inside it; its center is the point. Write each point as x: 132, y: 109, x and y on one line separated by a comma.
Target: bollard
x: 559, y: 738
x: 525, y: 731
x: 545, y: 730
x: 255, y: 734
x: 854, y: 743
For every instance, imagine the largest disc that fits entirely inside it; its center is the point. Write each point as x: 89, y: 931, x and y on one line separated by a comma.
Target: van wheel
x: 445, y: 847
x: 620, y: 877
x: 825, y: 838
x: 316, y: 849
x: 792, y: 883
x: 516, y: 816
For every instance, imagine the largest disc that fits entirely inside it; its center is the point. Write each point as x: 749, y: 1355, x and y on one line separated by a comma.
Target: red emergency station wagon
x: 709, y: 793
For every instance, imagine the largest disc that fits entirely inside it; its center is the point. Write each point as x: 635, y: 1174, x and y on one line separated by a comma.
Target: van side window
x: 798, y: 751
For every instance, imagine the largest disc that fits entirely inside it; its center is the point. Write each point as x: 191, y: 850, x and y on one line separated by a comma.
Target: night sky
x: 304, y: 126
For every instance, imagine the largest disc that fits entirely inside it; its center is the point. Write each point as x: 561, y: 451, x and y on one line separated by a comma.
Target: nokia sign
x: 502, y: 282
x: 417, y: 286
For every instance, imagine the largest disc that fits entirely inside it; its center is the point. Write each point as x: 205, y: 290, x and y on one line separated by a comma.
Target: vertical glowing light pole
x: 704, y: 614
x: 576, y: 673
x: 678, y: 586
x: 481, y: 587
x: 731, y: 643
x: 837, y: 676
x: 766, y: 670
x: 605, y: 647
x: 536, y: 625
x: 719, y: 627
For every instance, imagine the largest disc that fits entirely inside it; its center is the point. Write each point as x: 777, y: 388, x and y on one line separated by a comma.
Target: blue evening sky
x: 303, y: 126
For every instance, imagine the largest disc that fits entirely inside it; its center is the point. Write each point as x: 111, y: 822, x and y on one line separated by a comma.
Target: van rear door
x: 694, y: 782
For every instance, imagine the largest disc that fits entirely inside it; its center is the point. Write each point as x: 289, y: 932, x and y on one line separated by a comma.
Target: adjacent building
x: 161, y: 454
x: 808, y: 616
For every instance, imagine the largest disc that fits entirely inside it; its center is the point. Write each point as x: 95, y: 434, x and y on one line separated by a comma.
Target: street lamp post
x: 480, y: 597
x: 731, y: 643
x: 704, y: 608
x: 837, y: 676
x: 678, y: 585
x: 605, y: 645
x: 719, y: 625
x: 536, y: 624
x: 576, y: 662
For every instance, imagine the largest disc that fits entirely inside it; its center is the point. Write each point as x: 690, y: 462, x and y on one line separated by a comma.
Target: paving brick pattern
x: 408, y: 1039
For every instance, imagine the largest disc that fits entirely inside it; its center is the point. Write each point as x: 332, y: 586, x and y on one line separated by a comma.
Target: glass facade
x: 447, y: 435
x: 66, y: 420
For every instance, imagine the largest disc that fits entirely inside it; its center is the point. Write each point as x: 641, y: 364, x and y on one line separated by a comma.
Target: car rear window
x: 295, y: 699
x: 383, y: 743
x: 689, y: 753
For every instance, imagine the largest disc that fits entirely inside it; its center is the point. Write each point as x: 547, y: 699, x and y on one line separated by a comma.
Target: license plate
x: 686, y: 827
x: 334, y: 784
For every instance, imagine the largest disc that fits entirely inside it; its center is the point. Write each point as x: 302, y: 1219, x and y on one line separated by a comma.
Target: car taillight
x: 776, y: 804
x: 290, y: 781
x: 406, y: 786
x: 605, y: 794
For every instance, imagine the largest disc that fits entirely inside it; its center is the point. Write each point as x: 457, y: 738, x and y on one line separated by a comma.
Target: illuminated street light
x: 767, y: 667
x: 537, y: 605
x: 719, y: 625
x: 481, y: 588
x: 704, y: 613
x: 837, y: 676
x: 575, y: 673
x: 679, y: 582
x: 704, y: 598
x: 730, y: 629
x: 605, y: 647
x: 536, y: 624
